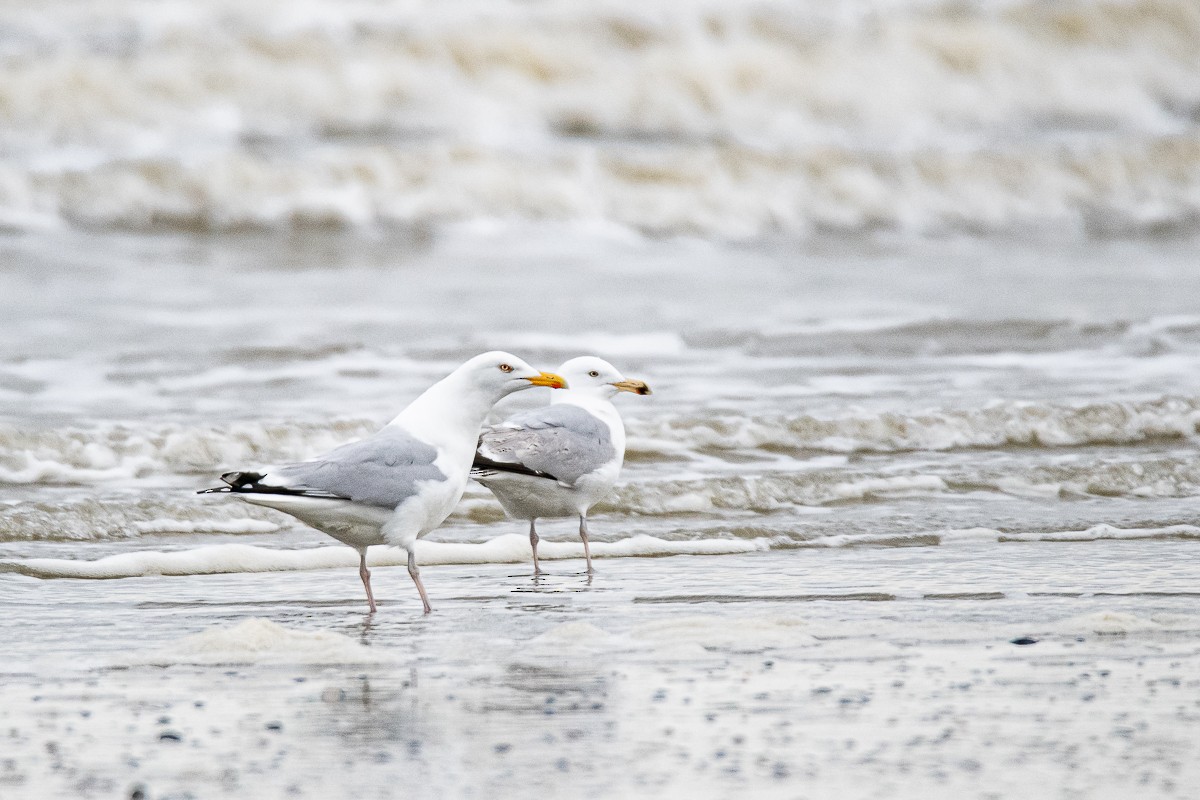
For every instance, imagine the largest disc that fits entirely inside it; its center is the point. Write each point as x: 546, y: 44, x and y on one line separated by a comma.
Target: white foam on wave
x: 206, y: 526
x: 120, y: 452
x: 725, y: 119
x: 999, y: 425
x: 120, y: 516
x: 968, y: 537
x: 257, y: 641
x: 1102, y: 532
x: 107, y: 453
x: 894, y: 538
x: 234, y: 558
x: 764, y: 493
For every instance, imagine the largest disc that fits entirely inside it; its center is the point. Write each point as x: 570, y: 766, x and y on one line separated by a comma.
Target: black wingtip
x: 484, y: 464
x: 249, y: 483
x: 238, y: 480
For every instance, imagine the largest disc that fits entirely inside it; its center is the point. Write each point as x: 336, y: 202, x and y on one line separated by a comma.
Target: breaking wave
x: 227, y: 558
x: 177, y: 511
x: 1010, y: 424
x: 95, y: 519
x: 108, y: 453
x: 514, y: 548
x: 718, y: 119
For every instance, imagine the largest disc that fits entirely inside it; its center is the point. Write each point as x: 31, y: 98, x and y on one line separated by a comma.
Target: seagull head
x: 499, y: 374
x: 598, y: 377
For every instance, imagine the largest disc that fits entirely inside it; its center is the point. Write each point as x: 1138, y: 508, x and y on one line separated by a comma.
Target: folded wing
x: 559, y: 442
x: 382, y: 470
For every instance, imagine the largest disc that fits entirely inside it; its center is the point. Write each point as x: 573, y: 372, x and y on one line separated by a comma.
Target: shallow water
x: 875, y: 672
x: 897, y: 476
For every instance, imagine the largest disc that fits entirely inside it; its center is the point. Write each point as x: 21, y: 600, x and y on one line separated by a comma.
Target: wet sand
x: 860, y: 672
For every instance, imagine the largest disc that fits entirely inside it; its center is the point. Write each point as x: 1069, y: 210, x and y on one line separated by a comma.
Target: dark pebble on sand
x: 170, y: 736
x: 274, y: 726
x: 503, y: 748
x: 1023, y: 640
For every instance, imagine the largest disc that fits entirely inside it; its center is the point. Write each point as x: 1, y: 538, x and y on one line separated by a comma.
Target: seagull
x: 559, y: 460
x: 403, y: 481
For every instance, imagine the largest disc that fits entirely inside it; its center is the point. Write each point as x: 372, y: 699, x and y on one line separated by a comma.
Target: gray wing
x: 382, y: 470
x: 562, y: 442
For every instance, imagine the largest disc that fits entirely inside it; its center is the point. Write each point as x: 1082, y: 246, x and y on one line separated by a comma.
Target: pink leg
x: 416, y: 576
x: 365, y: 574
x: 533, y: 542
x: 587, y: 552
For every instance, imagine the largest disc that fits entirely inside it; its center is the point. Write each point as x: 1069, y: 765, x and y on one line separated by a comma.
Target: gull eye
x: 593, y: 374
x: 506, y: 368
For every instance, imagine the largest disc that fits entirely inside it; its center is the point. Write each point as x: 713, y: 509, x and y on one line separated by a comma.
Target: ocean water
x: 914, y: 284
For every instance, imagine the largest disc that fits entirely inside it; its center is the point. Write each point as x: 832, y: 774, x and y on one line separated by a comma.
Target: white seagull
x: 402, y: 482
x: 559, y: 460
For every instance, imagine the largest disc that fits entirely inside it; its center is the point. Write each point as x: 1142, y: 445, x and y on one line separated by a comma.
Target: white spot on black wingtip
x: 239, y: 480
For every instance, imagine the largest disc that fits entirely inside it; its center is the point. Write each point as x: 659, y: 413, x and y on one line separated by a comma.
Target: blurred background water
x: 866, y: 251
x: 730, y: 120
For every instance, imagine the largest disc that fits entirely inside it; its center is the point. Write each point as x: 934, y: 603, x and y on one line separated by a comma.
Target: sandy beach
x: 865, y: 673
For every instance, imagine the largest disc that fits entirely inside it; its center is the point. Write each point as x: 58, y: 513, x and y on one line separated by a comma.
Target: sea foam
x: 231, y: 558
x: 258, y: 641
x: 108, y: 453
x: 728, y: 120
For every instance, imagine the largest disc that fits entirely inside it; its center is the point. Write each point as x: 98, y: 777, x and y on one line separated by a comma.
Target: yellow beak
x: 548, y: 379
x: 630, y: 385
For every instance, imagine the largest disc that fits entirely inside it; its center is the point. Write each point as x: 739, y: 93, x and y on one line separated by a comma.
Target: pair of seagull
x: 402, y: 482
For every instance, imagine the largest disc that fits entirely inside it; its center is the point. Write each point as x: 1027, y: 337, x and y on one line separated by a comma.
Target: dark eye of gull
x: 593, y: 374
x: 506, y: 368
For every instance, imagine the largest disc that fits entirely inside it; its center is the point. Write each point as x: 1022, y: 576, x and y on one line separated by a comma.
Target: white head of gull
x: 402, y: 482
x: 560, y: 460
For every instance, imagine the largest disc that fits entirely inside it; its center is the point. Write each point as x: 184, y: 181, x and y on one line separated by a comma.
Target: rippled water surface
x: 898, y: 459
